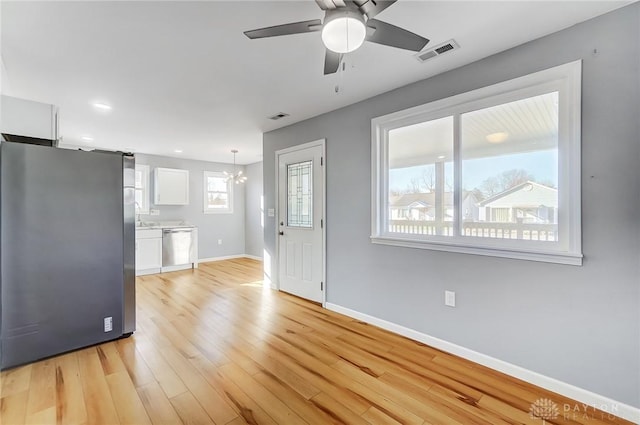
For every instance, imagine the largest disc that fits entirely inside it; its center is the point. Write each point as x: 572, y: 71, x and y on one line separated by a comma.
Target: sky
x: 543, y: 165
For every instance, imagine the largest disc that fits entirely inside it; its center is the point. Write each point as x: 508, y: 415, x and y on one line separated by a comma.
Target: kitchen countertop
x: 145, y: 225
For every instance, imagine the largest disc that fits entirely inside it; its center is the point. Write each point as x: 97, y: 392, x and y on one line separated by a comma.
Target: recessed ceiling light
x: 102, y: 106
x: 87, y: 138
x: 498, y: 137
x: 178, y: 151
x: 441, y: 157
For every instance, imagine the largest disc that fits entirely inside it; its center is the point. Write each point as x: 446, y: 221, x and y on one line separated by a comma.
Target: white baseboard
x: 589, y: 398
x: 178, y: 268
x: 147, y: 272
x: 228, y: 257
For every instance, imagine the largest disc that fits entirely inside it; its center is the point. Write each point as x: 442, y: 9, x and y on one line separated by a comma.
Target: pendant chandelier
x: 236, y: 176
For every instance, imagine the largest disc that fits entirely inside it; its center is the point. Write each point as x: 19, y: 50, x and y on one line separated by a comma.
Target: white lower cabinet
x: 148, y: 251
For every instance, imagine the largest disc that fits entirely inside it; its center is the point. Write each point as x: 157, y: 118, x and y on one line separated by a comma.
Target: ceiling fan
x: 347, y: 24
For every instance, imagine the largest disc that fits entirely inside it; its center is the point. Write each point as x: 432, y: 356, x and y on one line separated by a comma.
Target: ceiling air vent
x: 438, y: 50
x: 278, y: 116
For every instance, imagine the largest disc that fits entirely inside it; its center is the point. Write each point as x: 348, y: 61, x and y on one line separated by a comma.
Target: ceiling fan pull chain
x: 341, y: 70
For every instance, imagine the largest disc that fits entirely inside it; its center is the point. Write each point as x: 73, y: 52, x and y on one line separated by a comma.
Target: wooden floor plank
x: 97, y: 397
x: 42, y: 390
x: 137, y: 369
x: 336, y: 410
x: 157, y: 405
x: 215, y: 405
x: 127, y: 402
x: 294, y: 400
x: 168, y: 380
x: 213, y: 346
x: 70, y: 401
x: 190, y: 411
x: 13, y: 408
x: 15, y: 381
x: 268, y: 401
x: 376, y: 416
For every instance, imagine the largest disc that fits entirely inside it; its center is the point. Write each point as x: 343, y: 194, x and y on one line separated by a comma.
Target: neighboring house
x: 527, y: 203
x: 422, y: 206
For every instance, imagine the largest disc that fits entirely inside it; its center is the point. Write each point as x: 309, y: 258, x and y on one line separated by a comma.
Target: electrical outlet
x: 271, y: 212
x: 219, y: 241
x: 154, y: 212
x: 450, y: 298
x: 108, y: 324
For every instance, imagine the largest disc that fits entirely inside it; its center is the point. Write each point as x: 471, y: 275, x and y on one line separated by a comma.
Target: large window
x: 218, y: 193
x: 495, y: 171
x: 142, y: 189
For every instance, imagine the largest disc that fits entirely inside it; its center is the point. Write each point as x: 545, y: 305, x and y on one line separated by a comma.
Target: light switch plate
x: 271, y: 212
x: 450, y: 298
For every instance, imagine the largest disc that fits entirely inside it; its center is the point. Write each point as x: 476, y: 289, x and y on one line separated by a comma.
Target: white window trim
x: 145, y: 189
x: 206, y: 210
x: 564, y: 78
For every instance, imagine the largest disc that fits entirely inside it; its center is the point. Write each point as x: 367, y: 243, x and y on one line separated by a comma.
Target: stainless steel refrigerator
x: 67, y: 231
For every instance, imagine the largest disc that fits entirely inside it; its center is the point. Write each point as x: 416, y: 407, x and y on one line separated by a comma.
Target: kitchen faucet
x: 138, y: 208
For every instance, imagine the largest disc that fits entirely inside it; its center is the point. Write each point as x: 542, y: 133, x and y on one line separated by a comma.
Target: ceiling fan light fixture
x: 344, y: 31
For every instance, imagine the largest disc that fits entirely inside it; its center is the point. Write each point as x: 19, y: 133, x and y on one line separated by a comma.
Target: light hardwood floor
x: 214, y: 347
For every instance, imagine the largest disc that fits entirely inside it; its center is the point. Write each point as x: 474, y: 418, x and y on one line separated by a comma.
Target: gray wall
x: 580, y: 325
x: 211, y: 227
x: 253, y: 237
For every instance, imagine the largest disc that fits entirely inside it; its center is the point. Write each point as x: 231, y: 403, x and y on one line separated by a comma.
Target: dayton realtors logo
x: 548, y: 410
x: 544, y: 409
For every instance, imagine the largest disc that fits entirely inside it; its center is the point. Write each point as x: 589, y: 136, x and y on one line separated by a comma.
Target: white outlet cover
x: 450, y: 298
x: 108, y: 324
x: 271, y: 212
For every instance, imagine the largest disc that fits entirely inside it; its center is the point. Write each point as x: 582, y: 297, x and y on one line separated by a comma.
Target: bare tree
x: 490, y: 187
x: 512, y: 178
x: 504, y: 181
x: 426, y: 182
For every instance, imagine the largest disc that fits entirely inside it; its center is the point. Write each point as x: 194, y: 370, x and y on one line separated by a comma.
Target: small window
x: 495, y: 171
x: 218, y: 193
x: 142, y: 189
x: 299, y: 196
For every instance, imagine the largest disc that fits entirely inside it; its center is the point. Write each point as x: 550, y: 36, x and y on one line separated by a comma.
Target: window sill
x: 218, y: 212
x: 546, y: 257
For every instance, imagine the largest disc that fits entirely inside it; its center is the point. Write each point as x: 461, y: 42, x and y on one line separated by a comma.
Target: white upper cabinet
x: 171, y: 186
x: 23, y: 117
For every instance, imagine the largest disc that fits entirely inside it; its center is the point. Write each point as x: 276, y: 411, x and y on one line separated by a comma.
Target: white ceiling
x: 181, y: 75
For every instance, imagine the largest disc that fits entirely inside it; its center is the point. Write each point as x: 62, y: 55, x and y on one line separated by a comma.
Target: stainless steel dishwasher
x: 178, y: 246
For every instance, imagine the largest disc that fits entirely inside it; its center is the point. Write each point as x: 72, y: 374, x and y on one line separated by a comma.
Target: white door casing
x: 300, y: 224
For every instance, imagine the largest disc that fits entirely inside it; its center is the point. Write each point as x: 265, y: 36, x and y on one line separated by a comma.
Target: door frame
x: 323, y: 178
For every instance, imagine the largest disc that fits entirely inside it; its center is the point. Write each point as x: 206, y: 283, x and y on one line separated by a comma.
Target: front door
x: 300, y: 221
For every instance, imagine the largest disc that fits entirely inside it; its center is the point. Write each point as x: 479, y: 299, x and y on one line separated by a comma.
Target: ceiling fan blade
x: 329, y: 4
x: 286, y: 29
x: 390, y: 35
x: 331, y: 62
x: 371, y: 8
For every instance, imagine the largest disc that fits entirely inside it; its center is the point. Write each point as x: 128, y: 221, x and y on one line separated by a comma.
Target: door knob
x: 281, y: 233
